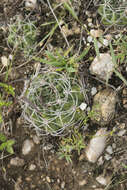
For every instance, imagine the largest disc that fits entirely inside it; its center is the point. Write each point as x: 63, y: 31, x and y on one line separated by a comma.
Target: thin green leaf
x: 71, y: 10
x: 96, y: 48
x: 83, y: 54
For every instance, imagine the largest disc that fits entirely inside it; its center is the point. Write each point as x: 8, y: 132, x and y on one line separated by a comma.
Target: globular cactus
x: 50, y: 102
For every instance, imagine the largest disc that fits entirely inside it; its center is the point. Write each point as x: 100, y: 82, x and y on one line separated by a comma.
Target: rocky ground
x: 35, y: 163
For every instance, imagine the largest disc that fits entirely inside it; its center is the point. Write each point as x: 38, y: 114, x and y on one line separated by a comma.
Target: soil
x: 42, y: 169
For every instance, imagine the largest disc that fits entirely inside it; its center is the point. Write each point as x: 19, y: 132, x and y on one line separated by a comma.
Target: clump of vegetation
x: 51, y: 102
x: 74, y: 142
x: 22, y: 36
x: 113, y: 12
x: 6, y: 144
x: 63, y: 60
x: 7, y: 91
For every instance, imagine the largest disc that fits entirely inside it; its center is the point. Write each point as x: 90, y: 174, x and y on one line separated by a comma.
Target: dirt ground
x: 41, y: 169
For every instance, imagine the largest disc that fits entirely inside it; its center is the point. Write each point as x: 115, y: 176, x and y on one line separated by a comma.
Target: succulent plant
x: 51, y: 102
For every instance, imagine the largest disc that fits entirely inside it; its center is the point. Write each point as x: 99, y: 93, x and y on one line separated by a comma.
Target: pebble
x: 96, y: 33
x: 62, y: 185
x: 102, y: 67
x: 89, y: 20
x: 100, y: 161
x: 83, y: 182
x: 89, y: 39
x: 93, y: 91
x: 48, y: 179
x: 103, y: 180
x: 121, y: 133
x: 97, y: 145
x: 36, y: 139
x: 104, y: 106
x: 107, y: 157
x: 4, y: 61
x: 31, y: 4
x: 32, y: 167
x: 113, y: 145
x: 109, y: 150
x: 17, y: 161
x: 83, y: 106
x: 27, y: 146
x: 105, y: 42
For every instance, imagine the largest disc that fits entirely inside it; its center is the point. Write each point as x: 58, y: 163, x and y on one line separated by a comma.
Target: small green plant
x: 51, y: 102
x: 22, y: 36
x: 6, y: 144
x: 62, y: 61
x: 74, y: 142
x: 7, y: 90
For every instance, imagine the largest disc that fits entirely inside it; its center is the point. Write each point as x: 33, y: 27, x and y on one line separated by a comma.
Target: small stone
x: 36, y: 139
x: 32, y: 167
x: 102, y: 66
x: 114, y: 146
x: 27, y: 146
x: 103, y: 180
x: 17, y: 161
x: 97, y: 145
x: 62, y: 185
x: 107, y: 157
x: 4, y: 61
x: 83, y: 182
x: 89, y: 20
x: 105, y: 42
x: 109, y: 150
x: 93, y: 91
x: 100, y: 161
x: 83, y: 106
x: 89, y: 39
x: 121, y: 133
x: 96, y: 33
x: 104, y: 106
x: 31, y: 4
x: 48, y: 179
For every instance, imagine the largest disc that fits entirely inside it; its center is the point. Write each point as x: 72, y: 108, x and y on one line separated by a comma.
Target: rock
x: 97, y: 145
x: 103, y: 180
x: 62, y: 185
x: 83, y: 182
x: 105, y: 42
x: 48, y: 179
x: 89, y: 39
x: 121, y: 132
x: 17, y: 161
x: 93, y: 91
x: 32, y: 167
x: 31, y: 4
x: 109, y: 150
x: 83, y: 106
x: 104, y: 106
x: 27, y: 147
x: 36, y: 139
x: 96, y: 33
x: 107, y: 157
x: 4, y: 61
x: 102, y: 67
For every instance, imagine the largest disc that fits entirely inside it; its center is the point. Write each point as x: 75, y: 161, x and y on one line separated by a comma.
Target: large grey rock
x: 102, y: 67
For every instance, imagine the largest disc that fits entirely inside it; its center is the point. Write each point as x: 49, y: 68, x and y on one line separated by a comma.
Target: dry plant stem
x: 58, y: 23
